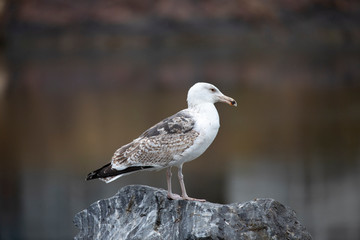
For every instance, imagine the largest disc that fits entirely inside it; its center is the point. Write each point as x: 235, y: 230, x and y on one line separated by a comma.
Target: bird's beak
x: 228, y: 100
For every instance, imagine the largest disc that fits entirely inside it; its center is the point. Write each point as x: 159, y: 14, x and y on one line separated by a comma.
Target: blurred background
x: 78, y: 79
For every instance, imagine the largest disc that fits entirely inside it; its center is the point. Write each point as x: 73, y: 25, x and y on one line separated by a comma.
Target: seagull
x: 174, y: 141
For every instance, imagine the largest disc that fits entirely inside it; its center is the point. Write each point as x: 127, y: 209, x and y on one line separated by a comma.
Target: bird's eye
x: 212, y: 89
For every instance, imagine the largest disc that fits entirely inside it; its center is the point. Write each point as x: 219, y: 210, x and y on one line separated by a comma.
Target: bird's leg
x: 168, y: 178
x: 183, y: 190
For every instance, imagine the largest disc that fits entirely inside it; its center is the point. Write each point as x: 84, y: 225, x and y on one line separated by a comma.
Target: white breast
x: 207, y: 124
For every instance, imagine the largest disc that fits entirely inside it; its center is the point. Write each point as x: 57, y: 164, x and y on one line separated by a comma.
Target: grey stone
x: 142, y: 212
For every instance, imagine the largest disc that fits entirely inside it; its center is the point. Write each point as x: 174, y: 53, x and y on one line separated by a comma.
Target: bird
x: 173, y: 141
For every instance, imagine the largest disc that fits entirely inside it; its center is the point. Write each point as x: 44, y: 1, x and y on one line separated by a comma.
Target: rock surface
x: 141, y: 212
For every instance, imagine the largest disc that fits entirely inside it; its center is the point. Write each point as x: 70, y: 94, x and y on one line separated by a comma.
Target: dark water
x: 294, y: 137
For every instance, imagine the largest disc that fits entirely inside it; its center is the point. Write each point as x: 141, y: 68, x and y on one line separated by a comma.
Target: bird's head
x: 203, y: 92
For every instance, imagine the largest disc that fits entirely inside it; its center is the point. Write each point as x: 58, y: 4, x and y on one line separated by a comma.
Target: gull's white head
x: 203, y: 92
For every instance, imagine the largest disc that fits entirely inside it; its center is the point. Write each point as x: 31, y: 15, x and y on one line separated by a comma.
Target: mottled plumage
x: 158, y: 145
x: 177, y: 139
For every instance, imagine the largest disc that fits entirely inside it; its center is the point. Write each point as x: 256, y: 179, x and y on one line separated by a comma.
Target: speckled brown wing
x: 159, y: 144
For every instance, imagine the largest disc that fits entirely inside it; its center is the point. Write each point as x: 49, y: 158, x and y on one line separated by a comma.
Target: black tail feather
x: 108, y: 171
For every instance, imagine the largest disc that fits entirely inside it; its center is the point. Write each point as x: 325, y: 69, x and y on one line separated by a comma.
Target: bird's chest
x: 208, y: 126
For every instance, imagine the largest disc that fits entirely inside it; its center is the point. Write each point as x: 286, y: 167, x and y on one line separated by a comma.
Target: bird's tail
x: 109, y: 174
x: 105, y: 171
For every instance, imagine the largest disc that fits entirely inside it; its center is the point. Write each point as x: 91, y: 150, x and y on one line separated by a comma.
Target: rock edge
x: 142, y: 212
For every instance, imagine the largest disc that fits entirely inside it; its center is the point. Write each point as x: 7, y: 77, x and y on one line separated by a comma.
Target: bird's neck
x: 205, y: 109
x: 207, y: 118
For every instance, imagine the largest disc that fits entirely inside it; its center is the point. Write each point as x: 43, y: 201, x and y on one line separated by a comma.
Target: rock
x: 141, y: 212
